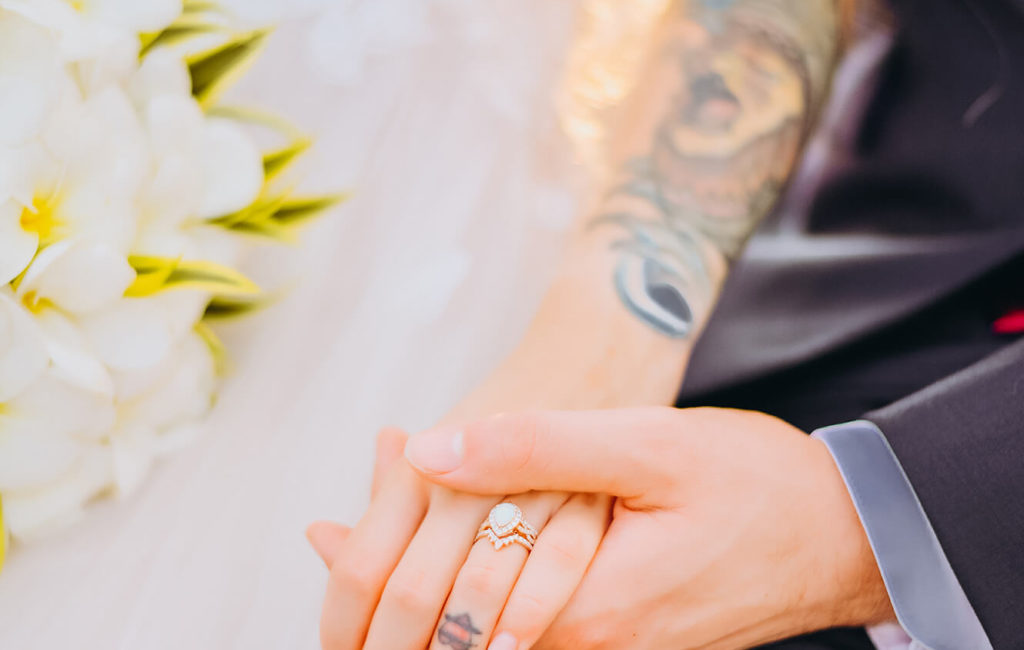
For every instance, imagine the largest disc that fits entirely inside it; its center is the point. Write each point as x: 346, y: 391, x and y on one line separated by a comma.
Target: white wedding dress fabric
x: 438, y: 116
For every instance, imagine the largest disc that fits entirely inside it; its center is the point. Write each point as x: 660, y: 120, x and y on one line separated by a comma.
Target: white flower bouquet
x: 127, y: 195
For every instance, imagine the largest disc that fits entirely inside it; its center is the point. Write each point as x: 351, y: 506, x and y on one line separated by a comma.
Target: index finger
x: 618, y: 452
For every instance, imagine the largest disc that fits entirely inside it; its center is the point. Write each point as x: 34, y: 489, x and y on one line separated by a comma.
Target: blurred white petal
x: 133, y: 15
x: 182, y: 310
x: 71, y: 358
x: 132, y: 451
x: 33, y: 514
x: 133, y: 333
x: 183, y: 395
x: 105, y: 49
x: 23, y: 354
x: 163, y: 72
x: 17, y: 246
x: 83, y: 414
x: 129, y: 383
x: 80, y: 277
x: 174, y: 124
x: 28, y: 78
x: 30, y: 457
x: 232, y: 169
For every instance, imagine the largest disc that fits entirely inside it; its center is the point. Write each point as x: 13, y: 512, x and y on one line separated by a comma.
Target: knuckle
x: 591, y: 634
x: 409, y: 594
x: 570, y: 549
x: 482, y: 580
x: 359, y: 577
x: 519, y: 437
x: 529, y: 611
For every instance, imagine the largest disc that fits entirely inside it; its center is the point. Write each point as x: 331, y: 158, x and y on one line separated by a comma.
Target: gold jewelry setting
x: 505, y: 525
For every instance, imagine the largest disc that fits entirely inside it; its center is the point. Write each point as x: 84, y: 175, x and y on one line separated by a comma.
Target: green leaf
x: 156, y: 274
x: 198, y: 6
x: 295, y: 211
x: 214, y: 70
x: 225, y: 307
x: 184, y: 28
x: 275, y: 162
x: 277, y: 217
x: 265, y: 230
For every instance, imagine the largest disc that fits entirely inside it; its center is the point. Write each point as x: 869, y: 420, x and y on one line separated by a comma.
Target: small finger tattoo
x: 457, y: 631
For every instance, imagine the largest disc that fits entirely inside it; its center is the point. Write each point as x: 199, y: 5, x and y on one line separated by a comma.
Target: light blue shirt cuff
x: 929, y: 602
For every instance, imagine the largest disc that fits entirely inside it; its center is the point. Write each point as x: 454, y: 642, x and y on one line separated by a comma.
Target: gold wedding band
x: 505, y: 525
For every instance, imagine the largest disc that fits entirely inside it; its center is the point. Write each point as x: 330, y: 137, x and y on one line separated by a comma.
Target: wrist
x: 845, y: 580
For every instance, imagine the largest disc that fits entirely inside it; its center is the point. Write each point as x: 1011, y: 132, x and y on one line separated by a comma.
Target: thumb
x: 618, y: 452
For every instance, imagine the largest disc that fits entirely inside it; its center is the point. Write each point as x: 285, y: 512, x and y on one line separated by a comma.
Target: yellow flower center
x: 41, y: 218
x: 35, y: 303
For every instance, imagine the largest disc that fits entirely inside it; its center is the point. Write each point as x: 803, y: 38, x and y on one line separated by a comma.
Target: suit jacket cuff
x: 925, y: 593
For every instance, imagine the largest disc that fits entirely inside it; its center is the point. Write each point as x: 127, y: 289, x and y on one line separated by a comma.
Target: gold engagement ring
x: 505, y: 525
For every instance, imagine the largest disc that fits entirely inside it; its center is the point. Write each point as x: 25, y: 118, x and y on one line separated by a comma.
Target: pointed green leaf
x: 275, y: 162
x: 214, y: 70
x: 184, y: 28
x: 155, y: 274
x: 295, y: 211
x: 225, y: 307
x: 277, y: 217
x: 266, y: 230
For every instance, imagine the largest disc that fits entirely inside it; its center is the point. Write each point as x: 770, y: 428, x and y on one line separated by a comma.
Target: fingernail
x: 435, y: 451
x: 503, y: 641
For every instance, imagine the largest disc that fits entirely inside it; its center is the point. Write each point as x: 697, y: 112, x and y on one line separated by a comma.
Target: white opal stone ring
x: 505, y: 525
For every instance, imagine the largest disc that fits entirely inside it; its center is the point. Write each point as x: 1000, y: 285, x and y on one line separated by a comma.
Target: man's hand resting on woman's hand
x: 730, y: 528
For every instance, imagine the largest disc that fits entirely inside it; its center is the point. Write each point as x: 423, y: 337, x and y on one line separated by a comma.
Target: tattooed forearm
x: 746, y: 79
x: 457, y: 632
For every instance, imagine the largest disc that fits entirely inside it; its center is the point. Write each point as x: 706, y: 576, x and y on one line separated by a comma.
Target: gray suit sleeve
x: 928, y: 600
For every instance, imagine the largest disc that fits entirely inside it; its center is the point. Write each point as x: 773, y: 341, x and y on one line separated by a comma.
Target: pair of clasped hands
x: 659, y: 528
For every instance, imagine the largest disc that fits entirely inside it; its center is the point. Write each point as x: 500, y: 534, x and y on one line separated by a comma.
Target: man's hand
x: 731, y: 528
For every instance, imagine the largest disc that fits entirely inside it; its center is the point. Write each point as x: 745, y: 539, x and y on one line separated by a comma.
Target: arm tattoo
x: 457, y: 631
x: 748, y: 87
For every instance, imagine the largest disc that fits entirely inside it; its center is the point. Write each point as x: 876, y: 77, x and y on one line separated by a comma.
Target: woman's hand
x: 411, y: 559
x: 377, y: 600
